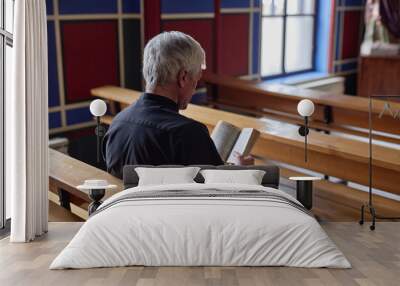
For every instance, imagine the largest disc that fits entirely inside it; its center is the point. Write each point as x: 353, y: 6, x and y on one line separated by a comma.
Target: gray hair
x: 168, y: 53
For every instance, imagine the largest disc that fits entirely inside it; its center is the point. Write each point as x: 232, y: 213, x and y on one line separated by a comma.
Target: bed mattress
x: 201, y: 225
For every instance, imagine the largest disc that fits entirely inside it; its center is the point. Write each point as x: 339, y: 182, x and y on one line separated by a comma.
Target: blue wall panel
x: 353, y: 2
x: 49, y: 7
x: 337, y: 36
x: 87, y: 6
x: 235, y: 3
x: 79, y: 115
x: 54, y: 99
x: 184, y: 6
x: 132, y: 54
x: 54, y: 120
x: 256, y: 43
x: 131, y: 6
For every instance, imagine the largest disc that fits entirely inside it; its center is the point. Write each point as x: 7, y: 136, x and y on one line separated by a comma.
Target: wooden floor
x: 60, y: 214
x: 375, y: 257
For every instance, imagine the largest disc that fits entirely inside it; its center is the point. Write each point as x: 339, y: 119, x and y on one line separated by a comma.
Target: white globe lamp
x: 305, y: 108
x: 98, y: 108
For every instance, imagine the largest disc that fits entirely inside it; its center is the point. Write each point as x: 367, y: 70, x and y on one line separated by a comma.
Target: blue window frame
x: 287, y: 37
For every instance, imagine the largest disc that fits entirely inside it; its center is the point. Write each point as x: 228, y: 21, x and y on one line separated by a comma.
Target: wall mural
x: 100, y: 42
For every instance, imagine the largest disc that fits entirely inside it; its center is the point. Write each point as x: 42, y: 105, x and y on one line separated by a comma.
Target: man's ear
x: 182, y: 78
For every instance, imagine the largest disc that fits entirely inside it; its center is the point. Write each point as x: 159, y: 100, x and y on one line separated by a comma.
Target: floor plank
x: 59, y: 214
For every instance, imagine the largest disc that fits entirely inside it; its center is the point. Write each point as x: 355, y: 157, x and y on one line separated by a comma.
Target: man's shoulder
x: 126, y: 113
x: 189, y: 125
x: 186, y: 121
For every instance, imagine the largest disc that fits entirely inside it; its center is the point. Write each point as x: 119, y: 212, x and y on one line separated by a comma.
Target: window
x: 287, y: 40
x: 6, y: 43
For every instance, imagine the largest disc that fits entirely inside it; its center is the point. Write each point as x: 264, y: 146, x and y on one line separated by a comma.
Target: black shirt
x: 152, y: 132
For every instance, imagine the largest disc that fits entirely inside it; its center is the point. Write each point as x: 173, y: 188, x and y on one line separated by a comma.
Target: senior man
x: 151, y: 131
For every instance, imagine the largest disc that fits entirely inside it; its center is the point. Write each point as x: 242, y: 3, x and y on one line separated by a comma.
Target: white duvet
x: 200, y: 231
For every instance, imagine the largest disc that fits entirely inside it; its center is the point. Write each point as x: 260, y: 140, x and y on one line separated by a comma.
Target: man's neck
x: 164, y: 91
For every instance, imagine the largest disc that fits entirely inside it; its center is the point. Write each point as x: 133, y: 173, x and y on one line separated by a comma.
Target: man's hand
x: 242, y: 160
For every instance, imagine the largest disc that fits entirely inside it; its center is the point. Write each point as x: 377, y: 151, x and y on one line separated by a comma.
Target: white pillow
x: 248, y: 177
x: 164, y: 176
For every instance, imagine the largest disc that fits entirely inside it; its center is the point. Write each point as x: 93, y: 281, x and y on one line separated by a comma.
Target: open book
x: 230, y: 139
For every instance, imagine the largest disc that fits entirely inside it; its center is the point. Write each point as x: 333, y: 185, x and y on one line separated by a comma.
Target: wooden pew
x: 332, y: 155
x: 65, y: 173
x: 341, y: 113
x: 338, y: 202
x: 332, y: 202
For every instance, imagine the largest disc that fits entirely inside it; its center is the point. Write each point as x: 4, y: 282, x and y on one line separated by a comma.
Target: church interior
x: 318, y: 81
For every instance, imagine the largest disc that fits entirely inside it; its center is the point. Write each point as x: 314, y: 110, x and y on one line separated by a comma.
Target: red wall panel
x: 201, y: 30
x: 234, y: 44
x: 90, y: 57
x: 152, y: 19
x: 351, y: 34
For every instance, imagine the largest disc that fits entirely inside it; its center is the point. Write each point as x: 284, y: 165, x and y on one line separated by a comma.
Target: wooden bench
x: 342, y: 113
x: 338, y: 202
x: 65, y: 173
x: 332, y: 202
x: 332, y: 155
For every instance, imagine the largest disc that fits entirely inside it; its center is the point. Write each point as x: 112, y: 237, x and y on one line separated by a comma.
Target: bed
x: 198, y: 224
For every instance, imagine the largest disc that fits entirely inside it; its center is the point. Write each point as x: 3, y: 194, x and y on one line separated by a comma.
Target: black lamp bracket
x: 100, y: 131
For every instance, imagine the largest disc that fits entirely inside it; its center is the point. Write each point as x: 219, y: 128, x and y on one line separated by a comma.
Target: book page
x: 244, y: 143
x: 224, y: 136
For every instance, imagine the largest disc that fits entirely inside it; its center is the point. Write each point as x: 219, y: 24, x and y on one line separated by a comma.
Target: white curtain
x: 27, y: 124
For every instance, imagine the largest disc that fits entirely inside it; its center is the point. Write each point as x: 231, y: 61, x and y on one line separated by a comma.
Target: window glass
x: 9, y: 9
x: 299, y: 43
x: 1, y: 14
x: 300, y: 7
x: 8, y: 69
x: 2, y: 219
x: 287, y: 41
x: 273, y: 7
x: 272, y: 46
